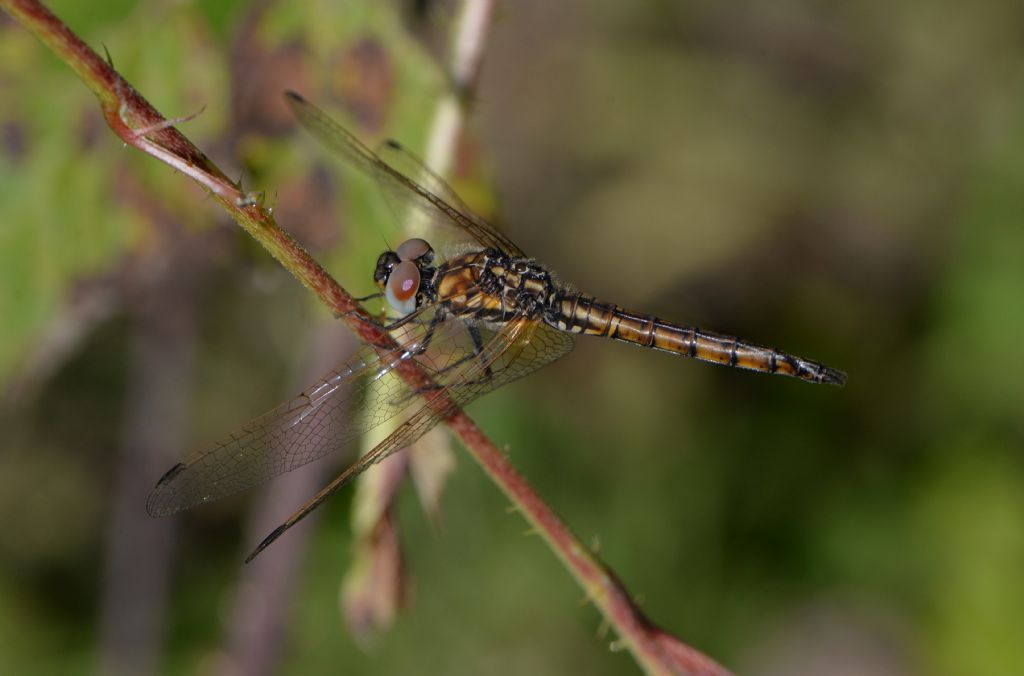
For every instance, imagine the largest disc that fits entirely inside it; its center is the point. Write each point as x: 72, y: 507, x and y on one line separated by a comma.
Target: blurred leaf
x: 976, y: 347
x: 72, y: 210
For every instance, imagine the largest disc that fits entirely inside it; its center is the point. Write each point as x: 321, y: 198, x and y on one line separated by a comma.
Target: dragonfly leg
x: 396, y: 322
x: 477, y: 353
x: 357, y: 311
x: 428, y: 336
x: 402, y: 321
x: 421, y: 349
x: 393, y: 322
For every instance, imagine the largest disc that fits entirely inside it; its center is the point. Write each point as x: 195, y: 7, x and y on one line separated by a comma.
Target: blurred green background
x: 841, y: 180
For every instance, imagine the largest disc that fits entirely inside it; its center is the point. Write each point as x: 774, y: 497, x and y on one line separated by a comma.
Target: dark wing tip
x: 157, y: 504
x: 170, y: 474
x: 294, y: 96
x: 276, y: 533
x: 154, y: 506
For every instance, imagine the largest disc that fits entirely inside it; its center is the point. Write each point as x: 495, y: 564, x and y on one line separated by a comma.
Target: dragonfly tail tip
x: 833, y: 377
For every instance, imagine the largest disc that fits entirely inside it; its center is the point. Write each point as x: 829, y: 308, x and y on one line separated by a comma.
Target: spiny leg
x: 477, y: 353
x: 420, y: 349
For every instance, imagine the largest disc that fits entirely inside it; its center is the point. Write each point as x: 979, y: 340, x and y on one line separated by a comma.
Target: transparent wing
x: 519, y: 348
x: 333, y: 411
x: 436, y: 202
x: 405, y: 162
x: 420, y: 220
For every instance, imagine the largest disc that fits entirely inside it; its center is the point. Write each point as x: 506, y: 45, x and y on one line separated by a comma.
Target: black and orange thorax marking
x: 493, y: 286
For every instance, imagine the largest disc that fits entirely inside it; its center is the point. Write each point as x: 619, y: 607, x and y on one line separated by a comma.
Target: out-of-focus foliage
x: 843, y: 182
x: 68, y: 230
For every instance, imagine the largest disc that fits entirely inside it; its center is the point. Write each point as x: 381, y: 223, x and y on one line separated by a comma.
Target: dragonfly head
x: 398, y: 273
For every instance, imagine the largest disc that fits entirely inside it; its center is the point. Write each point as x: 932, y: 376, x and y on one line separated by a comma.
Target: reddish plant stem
x: 126, y: 111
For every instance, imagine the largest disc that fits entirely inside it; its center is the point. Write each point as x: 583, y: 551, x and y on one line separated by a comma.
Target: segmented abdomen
x: 581, y: 314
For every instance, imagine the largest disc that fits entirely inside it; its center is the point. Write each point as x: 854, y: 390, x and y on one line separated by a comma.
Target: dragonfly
x: 472, y: 322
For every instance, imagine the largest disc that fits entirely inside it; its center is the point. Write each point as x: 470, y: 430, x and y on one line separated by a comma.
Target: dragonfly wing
x: 421, y: 218
x: 437, y: 203
x: 339, y: 407
x: 519, y: 348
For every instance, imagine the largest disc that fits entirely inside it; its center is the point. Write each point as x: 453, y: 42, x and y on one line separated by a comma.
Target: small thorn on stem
x: 163, y: 124
x: 250, y: 199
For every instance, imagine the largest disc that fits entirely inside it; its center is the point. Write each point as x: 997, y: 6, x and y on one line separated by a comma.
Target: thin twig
x: 126, y: 110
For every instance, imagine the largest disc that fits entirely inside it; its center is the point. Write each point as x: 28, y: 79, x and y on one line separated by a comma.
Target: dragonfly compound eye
x: 385, y: 264
x: 413, y: 249
x: 402, y: 287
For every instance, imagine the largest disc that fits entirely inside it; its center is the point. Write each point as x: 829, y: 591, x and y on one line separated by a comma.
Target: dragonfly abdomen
x: 581, y: 314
